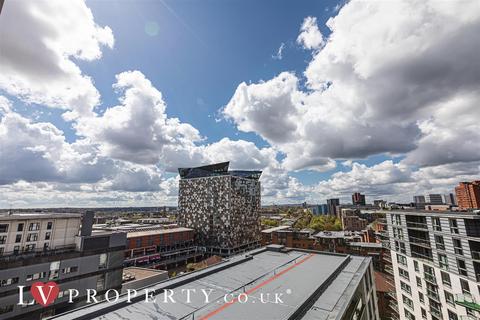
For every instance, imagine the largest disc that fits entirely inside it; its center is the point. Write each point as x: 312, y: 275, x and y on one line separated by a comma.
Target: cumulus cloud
x: 310, y: 36
x: 138, y: 129
x: 392, y: 78
x: 40, y: 42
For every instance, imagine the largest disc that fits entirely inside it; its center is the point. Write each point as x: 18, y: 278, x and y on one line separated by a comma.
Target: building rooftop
x: 447, y: 214
x: 217, y: 169
x: 135, y: 234
x: 264, y: 271
x: 270, y: 230
x: 338, y: 234
x: 136, y: 273
x: 37, y: 215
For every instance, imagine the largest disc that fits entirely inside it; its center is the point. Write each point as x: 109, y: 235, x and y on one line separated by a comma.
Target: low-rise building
x: 162, y: 248
x: 55, y: 247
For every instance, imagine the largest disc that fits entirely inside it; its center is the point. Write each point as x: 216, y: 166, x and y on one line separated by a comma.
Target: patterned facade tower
x: 221, y: 206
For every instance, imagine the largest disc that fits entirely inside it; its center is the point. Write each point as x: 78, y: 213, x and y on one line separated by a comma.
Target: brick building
x: 468, y: 194
x: 162, y: 249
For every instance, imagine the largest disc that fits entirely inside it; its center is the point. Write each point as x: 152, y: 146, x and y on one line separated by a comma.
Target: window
x: 404, y: 274
x: 465, y: 287
x: 452, y: 315
x: 439, y: 242
x: 54, y: 270
x: 47, y: 235
x: 405, y: 287
x: 29, y: 247
x: 16, y: 249
x: 449, y: 298
x: 3, y: 227
x: 446, y: 279
x: 102, y: 264
x: 443, y: 261
x: 462, y: 268
x: 415, y: 265
x: 70, y: 269
x: 36, y: 276
x: 34, y: 226
x: 49, y: 225
x: 408, y: 315
x: 8, y: 282
x: 421, y: 297
x: 396, y: 219
x: 32, y: 237
x: 400, y: 246
x: 101, y: 283
x: 402, y: 260
x: 407, y: 301
x: 453, y: 226
x: 3, y: 239
x: 20, y: 227
x: 436, y: 224
x: 457, y: 246
x: 419, y: 282
x: 424, y: 313
x: 18, y: 238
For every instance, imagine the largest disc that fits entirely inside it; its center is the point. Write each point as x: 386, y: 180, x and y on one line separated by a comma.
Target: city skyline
x: 101, y: 102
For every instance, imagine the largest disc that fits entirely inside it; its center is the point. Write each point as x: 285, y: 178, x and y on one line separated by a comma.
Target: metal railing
x: 430, y: 278
x: 417, y: 225
x: 423, y: 242
x: 24, y: 255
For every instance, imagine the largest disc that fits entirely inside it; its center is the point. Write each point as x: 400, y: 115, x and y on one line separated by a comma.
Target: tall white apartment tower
x: 436, y: 264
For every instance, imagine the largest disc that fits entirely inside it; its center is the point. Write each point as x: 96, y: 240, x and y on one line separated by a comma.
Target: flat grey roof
x: 321, y: 284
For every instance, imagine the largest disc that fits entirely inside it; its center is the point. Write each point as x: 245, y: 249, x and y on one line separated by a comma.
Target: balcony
x: 433, y: 295
x: 466, y: 300
x: 430, y: 278
x: 389, y: 270
x: 420, y: 241
x: 417, y: 225
x: 393, y: 306
x: 392, y: 295
x: 387, y: 257
x: 436, y: 312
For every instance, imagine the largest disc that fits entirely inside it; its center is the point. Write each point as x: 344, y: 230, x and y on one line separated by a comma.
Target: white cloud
x: 279, y: 54
x: 310, y: 36
x: 40, y: 41
x: 395, y: 78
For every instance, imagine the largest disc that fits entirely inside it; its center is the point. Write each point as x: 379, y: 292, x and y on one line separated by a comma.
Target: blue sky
x: 100, y: 101
x: 197, y: 54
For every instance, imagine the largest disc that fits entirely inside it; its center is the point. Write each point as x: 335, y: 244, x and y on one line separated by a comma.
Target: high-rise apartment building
x: 358, y: 199
x: 55, y: 247
x: 221, y: 206
x: 434, y: 199
x: 449, y: 198
x: 332, y: 206
x: 468, y: 195
x: 419, y: 199
x: 436, y: 264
